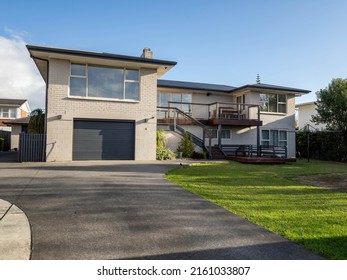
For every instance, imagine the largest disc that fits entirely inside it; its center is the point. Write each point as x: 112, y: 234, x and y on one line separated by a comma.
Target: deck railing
x: 181, y: 121
x: 254, y: 151
x: 219, y: 110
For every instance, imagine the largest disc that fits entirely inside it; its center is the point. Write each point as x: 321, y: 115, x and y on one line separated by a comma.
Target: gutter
x: 46, y: 98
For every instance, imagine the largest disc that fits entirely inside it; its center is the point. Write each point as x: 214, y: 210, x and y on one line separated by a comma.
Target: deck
x: 260, y: 160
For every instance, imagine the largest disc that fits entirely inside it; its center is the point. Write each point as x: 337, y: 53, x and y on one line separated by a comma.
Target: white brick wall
x: 61, y: 110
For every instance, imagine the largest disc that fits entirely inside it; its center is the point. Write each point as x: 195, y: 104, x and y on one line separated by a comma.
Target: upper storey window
x: 276, y: 103
x: 104, y: 82
x: 8, y: 112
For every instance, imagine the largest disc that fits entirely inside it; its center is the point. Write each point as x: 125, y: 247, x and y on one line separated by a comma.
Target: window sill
x: 104, y: 99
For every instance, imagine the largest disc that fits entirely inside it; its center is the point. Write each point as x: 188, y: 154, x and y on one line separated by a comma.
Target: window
x: 132, y: 84
x: 164, y: 99
x: 8, y: 112
x: 78, y: 80
x: 104, y: 82
x: 225, y: 133
x: 274, y: 137
x: 273, y: 103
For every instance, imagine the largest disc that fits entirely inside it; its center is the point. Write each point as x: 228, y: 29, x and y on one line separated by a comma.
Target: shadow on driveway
x: 128, y: 210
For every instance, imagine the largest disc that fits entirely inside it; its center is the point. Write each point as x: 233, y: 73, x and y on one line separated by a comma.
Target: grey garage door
x: 102, y: 140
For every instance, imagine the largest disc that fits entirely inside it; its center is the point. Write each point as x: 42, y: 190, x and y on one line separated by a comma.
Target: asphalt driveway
x: 128, y: 210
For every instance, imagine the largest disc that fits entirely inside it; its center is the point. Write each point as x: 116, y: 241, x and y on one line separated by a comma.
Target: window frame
x: 279, y: 140
x: 8, y: 111
x: 171, y: 94
x: 278, y: 103
x: 105, y: 98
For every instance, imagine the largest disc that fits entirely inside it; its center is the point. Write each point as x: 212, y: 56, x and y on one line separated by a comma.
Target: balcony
x: 232, y: 114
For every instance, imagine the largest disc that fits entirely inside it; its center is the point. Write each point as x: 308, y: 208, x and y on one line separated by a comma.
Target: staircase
x: 216, y: 153
x: 174, y: 119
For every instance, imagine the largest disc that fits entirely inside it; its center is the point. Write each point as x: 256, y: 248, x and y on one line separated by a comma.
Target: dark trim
x: 193, y: 86
x: 46, y: 106
x: 273, y: 88
x: 101, y: 55
x: 231, y: 122
x: 216, y: 88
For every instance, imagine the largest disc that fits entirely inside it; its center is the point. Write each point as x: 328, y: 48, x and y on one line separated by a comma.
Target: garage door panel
x: 103, y: 140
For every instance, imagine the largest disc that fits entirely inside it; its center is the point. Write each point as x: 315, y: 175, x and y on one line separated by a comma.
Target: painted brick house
x: 105, y: 106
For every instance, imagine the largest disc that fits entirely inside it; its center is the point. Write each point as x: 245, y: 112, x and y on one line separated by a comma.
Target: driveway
x: 128, y: 210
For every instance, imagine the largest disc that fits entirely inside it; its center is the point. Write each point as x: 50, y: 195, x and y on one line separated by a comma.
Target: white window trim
x: 277, y: 103
x: 8, y: 112
x: 269, y: 139
x: 87, y: 97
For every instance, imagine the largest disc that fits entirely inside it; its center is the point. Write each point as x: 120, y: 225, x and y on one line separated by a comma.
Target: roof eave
x: 294, y: 90
x: 107, y: 56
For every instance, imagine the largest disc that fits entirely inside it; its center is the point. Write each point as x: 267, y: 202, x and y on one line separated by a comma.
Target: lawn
x: 273, y: 197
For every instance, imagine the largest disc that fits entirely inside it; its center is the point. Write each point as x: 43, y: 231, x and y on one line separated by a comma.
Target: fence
x: 5, y: 140
x: 31, y: 147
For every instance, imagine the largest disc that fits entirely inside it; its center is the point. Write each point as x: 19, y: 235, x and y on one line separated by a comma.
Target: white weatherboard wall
x: 305, y: 112
x: 62, y: 110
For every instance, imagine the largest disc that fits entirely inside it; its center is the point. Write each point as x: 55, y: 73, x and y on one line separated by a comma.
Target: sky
x: 294, y: 43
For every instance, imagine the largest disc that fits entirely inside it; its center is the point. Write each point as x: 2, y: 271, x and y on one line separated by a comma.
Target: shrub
x: 186, y: 145
x: 160, y: 138
x: 324, y: 145
x: 163, y: 153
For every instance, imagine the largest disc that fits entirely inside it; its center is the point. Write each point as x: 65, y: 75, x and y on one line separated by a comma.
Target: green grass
x: 270, y: 196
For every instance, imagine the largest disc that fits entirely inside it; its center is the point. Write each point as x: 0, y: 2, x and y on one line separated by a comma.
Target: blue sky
x: 291, y: 43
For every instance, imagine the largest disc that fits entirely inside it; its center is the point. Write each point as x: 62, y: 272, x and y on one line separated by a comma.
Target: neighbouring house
x: 305, y: 111
x: 11, y: 109
x: 105, y: 106
x: 18, y: 126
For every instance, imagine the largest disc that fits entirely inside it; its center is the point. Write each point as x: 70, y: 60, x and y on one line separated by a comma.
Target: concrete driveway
x: 128, y: 210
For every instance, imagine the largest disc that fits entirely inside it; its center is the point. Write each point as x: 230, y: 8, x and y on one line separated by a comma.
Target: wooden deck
x: 260, y: 159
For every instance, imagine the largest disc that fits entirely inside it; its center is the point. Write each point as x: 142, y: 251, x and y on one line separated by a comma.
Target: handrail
x: 214, y: 103
x: 187, y: 116
x: 206, y: 131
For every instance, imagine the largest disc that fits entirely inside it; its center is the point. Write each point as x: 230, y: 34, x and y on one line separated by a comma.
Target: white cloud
x: 19, y: 77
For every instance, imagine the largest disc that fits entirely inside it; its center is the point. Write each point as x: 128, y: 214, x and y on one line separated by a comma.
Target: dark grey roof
x: 101, y: 55
x: 266, y: 86
x: 195, y: 86
x: 18, y: 121
x: 6, y: 101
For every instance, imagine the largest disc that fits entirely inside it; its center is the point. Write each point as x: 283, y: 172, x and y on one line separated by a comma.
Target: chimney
x: 147, y: 53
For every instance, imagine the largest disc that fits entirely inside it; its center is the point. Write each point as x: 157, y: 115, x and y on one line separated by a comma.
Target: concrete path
x: 128, y: 210
x: 15, y: 239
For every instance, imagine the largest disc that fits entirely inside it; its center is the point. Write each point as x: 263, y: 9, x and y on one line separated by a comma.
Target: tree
x: 332, y: 105
x: 186, y: 145
x: 37, y: 121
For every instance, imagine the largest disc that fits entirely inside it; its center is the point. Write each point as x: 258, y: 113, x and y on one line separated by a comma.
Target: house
x: 18, y: 126
x: 256, y: 114
x: 11, y: 109
x: 305, y: 111
x: 105, y: 106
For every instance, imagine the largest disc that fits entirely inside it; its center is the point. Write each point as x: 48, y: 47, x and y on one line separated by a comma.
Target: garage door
x: 103, y: 140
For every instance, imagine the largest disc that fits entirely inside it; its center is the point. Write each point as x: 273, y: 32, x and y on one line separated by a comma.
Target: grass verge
x: 270, y: 196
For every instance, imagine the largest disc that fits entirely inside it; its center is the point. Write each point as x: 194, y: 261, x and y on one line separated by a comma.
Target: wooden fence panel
x: 31, y: 147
